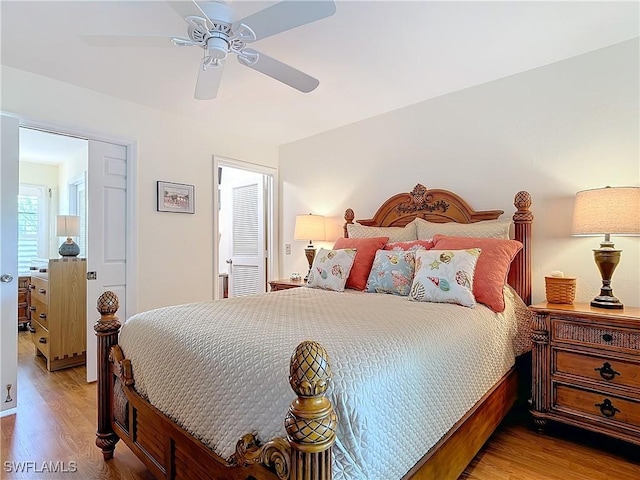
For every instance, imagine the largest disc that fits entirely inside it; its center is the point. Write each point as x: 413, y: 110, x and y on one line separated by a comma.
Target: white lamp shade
x: 607, y: 210
x: 67, y: 226
x: 309, y: 227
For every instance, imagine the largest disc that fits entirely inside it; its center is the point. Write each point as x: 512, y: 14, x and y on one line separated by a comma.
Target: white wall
x: 175, y: 252
x: 552, y: 131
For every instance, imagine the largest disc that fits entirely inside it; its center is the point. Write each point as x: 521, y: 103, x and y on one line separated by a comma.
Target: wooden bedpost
x: 107, y: 332
x: 348, y: 218
x: 311, y: 422
x: 520, y: 272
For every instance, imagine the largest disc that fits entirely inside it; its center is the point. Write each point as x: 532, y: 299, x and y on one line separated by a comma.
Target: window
x: 78, y: 206
x: 32, y: 225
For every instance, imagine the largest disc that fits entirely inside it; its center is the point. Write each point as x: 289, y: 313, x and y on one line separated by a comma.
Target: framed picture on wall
x: 176, y: 197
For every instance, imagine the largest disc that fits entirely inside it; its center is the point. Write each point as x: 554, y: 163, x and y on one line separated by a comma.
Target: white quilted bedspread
x: 403, y: 372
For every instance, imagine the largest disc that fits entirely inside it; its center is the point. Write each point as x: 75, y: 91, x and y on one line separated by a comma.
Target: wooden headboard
x: 442, y: 206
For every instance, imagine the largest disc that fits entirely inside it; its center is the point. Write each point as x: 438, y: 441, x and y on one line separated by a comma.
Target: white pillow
x: 445, y: 276
x: 331, y: 268
x: 486, y: 229
x: 395, y: 234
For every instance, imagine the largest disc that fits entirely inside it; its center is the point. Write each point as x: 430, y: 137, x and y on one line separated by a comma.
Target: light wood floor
x: 56, y: 421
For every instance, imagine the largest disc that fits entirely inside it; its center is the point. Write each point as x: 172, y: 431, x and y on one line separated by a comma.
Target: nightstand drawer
x: 40, y: 289
x: 595, y: 336
x: 599, y: 405
x: 602, y: 368
x: 40, y: 338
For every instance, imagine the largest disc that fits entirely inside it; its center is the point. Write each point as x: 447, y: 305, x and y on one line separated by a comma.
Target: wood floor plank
x: 56, y: 421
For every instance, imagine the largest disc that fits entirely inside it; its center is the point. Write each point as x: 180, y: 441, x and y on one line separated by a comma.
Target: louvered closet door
x: 247, y: 272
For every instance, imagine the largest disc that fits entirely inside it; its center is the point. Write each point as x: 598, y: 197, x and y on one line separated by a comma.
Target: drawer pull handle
x: 32, y: 287
x: 33, y: 309
x: 42, y: 340
x: 606, y: 371
x: 606, y: 408
x: 42, y: 291
x: 607, y: 337
x: 44, y: 315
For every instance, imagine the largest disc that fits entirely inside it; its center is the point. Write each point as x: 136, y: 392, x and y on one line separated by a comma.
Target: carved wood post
x: 540, y: 361
x: 107, y: 332
x: 348, y: 218
x: 520, y: 277
x: 311, y: 422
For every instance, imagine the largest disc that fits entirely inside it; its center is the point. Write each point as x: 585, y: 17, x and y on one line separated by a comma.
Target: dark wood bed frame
x: 306, y: 454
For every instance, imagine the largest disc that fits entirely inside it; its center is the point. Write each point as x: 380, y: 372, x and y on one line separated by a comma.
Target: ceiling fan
x: 210, y: 26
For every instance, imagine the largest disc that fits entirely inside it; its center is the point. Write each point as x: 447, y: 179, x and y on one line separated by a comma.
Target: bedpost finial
x: 107, y: 303
x: 349, y: 215
x: 311, y: 422
x: 522, y: 201
x: 309, y: 370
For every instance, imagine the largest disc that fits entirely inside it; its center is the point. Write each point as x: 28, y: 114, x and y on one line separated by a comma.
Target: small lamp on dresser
x: 309, y: 227
x: 68, y: 226
x: 606, y: 211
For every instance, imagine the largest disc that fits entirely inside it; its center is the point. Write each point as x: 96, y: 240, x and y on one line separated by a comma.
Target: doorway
x: 98, y: 189
x: 244, y: 254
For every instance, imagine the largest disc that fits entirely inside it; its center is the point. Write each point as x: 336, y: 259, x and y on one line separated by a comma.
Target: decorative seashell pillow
x: 392, y: 272
x: 445, y: 276
x: 331, y: 268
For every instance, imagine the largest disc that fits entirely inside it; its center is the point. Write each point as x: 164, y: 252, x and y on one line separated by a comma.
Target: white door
x: 106, y: 235
x: 9, y: 262
x: 247, y: 272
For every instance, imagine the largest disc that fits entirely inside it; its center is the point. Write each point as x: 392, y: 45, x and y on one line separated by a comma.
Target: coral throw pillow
x: 366, y: 249
x: 492, y: 267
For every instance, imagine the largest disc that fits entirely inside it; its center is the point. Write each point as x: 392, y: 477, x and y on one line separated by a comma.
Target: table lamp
x: 309, y: 227
x: 606, y: 211
x: 68, y: 226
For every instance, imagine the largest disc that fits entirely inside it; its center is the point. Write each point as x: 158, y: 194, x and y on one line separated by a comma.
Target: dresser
x: 586, y: 368
x: 285, y: 284
x: 58, y: 312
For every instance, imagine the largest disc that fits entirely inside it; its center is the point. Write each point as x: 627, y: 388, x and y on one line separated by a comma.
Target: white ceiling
x: 370, y: 57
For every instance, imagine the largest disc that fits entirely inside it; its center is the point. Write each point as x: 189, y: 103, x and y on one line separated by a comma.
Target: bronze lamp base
x: 310, y: 253
x: 607, y: 259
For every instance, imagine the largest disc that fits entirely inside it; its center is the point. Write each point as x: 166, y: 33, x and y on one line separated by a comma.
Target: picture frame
x: 176, y: 197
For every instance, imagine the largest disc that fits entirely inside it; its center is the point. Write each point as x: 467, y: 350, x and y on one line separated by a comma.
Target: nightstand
x: 586, y: 368
x: 285, y: 284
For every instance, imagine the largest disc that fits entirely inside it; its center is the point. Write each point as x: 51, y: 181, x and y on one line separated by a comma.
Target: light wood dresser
x: 586, y: 368
x: 58, y: 312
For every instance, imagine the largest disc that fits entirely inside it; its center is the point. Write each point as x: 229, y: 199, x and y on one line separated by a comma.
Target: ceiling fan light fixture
x: 217, y: 48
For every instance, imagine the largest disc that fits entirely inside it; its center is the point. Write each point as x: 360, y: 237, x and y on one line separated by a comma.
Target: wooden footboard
x: 170, y: 452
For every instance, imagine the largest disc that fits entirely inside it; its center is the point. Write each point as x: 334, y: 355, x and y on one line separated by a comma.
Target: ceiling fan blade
x: 278, y: 70
x: 208, y: 81
x: 126, y: 40
x: 286, y: 15
x: 188, y: 9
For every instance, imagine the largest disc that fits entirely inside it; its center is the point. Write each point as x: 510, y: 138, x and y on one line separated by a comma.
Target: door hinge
x: 92, y: 275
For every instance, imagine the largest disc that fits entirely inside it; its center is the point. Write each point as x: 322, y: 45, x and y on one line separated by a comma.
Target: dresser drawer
x: 40, y: 290
x: 596, y: 404
x: 40, y: 338
x: 598, y: 336
x: 40, y: 312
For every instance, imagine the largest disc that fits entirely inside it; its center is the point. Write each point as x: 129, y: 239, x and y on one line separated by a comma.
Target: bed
x: 395, y: 416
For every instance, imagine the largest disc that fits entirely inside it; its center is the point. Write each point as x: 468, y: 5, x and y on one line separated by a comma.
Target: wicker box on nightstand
x: 586, y: 368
